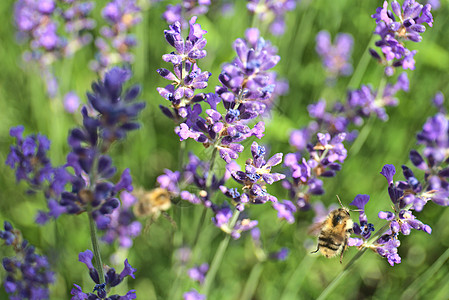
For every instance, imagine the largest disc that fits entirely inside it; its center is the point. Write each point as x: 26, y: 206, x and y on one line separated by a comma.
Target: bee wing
x: 315, y: 228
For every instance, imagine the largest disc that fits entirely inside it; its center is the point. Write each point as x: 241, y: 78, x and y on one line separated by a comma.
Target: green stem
x: 216, y: 261
x: 198, y: 228
x: 252, y: 282
x: 361, y: 66
x: 340, y: 276
x: 210, y: 172
x: 95, y: 247
x: 294, y: 284
x: 361, y: 139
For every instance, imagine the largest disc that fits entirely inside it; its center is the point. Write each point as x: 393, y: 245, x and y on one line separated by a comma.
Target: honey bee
x: 334, y: 232
x: 151, y: 203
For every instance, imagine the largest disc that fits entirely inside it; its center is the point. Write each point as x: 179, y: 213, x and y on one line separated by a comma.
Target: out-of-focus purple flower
x: 272, y: 11
x: 116, y: 115
x: 29, y: 158
x: 71, y: 102
x: 38, y: 24
x: 123, y: 226
x: 241, y: 226
x: 111, y: 279
x: 184, y: 11
x: 193, y: 295
x: 115, y: 42
x: 435, y: 4
x: 396, y: 26
x: 285, y: 210
x: 198, y: 273
x: 335, y: 57
x: 280, y: 255
x: 28, y: 274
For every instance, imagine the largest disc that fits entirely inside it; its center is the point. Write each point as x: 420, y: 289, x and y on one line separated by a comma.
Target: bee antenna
x: 356, y: 210
x: 339, y: 200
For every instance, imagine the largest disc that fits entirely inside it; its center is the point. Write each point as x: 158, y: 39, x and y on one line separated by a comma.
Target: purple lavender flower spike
x: 115, y: 42
x: 112, y: 279
x: 394, y: 30
x: 187, y: 76
x: 123, y: 225
x: 28, y: 274
x: 390, y: 251
x: 363, y: 228
x: 38, y: 25
x: 198, y: 273
x: 335, y: 57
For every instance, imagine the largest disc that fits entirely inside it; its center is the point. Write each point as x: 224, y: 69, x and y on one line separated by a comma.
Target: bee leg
x: 343, y: 250
x: 317, y: 248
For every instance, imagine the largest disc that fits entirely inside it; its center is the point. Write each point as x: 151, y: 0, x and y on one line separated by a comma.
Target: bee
x: 334, y: 232
x: 151, y: 203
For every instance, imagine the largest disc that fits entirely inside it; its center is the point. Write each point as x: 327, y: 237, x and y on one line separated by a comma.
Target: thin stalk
x: 252, y: 282
x: 200, y: 225
x: 361, y: 66
x: 294, y: 284
x: 340, y: 276
x: 95, y: 247
x: 210, y: 172
x: 361, y: 139
x: 363, y: 136
x: 216, y: 261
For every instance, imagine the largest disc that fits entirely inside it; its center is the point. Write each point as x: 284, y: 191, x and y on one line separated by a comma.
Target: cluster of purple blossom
x: 111, y: 279
x: 37, y: 22
x: 411, y: 195
x: 396, y: 26
x: 184, y: 11
x: 335, y: 57
x: 28, y: 274
x: 319, y: 158
x: 246, y: 91
x: 116, y: 41
x: 115, y: 115
x: 111, y: 114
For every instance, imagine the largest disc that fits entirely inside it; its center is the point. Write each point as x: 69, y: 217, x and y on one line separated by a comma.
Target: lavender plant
x: 409, y: 196
x: 224, y: 121
x: 101, y: 289
x: 113, y: 114
x: 394, y: 33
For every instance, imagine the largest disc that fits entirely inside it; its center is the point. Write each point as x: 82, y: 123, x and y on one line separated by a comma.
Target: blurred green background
x: 424, y: 271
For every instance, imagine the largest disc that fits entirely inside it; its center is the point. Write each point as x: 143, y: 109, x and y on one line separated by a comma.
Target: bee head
x: 340, y: 215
